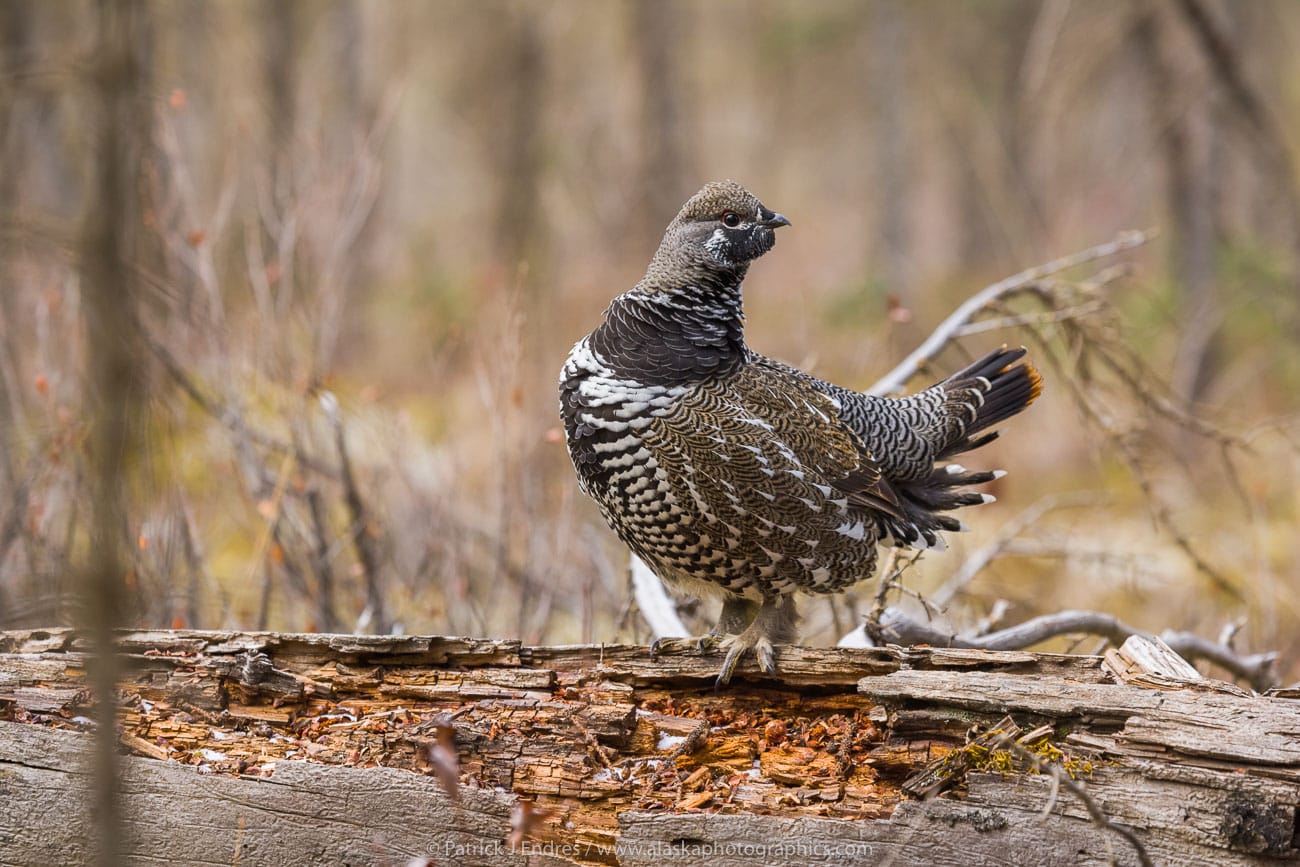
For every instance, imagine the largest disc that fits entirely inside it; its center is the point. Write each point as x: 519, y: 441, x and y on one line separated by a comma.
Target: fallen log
x: 263, y: 748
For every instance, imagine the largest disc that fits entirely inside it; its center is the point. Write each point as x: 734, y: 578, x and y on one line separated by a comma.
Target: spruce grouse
x: 730, y: 473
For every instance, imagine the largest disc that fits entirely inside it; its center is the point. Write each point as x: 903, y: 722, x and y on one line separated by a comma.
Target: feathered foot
x: 737, y: 613
x: 774, y: 623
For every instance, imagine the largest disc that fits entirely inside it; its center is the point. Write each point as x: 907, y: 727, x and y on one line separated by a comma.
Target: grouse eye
x: 730, y: 219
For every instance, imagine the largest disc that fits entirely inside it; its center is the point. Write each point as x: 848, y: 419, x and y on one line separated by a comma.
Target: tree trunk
x: 340, y: 749
x: 664, y: 169
x: 113, y: 245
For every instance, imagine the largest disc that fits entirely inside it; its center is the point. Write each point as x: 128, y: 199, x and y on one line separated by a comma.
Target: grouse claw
x: 701, y: 644
x: 737, y: 647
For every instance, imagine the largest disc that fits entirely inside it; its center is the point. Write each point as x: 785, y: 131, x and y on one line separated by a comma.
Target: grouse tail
x: 988, y: 392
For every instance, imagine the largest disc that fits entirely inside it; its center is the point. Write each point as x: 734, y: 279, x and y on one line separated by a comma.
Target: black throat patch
x: 673, y: 338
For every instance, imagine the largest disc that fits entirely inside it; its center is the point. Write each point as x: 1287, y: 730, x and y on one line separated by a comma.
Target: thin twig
x: 978, y: 560
x: 12, y: 525
x: 194, y: 563
x: 1128, y: 453
x: 327, y: 619
x: 230, y: 418
x: 268, y: 537
x: 1141, y: 381
x: 888, y: 580
x: 1080, y: 790
x: 1022, y: 319
x: 362, y: 537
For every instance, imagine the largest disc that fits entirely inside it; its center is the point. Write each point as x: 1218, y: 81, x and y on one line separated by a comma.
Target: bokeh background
x: 368, y: 234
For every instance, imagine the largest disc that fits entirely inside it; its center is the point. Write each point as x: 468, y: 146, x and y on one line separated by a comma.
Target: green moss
x: 979, y: 757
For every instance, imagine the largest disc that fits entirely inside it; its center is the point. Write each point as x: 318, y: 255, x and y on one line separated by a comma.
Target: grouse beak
x: 773, y: 220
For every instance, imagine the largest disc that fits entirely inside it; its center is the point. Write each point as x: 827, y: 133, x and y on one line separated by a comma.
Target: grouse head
x: 683, y: 321
x: 722, y: 228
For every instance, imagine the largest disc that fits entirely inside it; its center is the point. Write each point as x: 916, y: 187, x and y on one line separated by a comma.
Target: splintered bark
x: 340, y: 749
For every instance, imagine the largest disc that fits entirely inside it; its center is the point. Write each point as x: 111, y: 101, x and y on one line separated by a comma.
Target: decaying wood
x: 260, y: 748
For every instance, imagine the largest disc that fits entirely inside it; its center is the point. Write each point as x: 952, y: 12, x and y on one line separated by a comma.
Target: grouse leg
x: 773, y: 624
x: 737, y: 613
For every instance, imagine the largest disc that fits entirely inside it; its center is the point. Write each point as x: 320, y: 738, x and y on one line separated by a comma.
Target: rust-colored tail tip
x: 1035, y: 381
x: 1031, y: 372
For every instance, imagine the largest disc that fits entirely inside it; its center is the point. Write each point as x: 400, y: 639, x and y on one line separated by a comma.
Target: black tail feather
x: 1011, y: 386
x: 1001, y: 383
x: 991, y: 365
x: 924, y: 501
x: 988, y: 392
x: 967, y: 445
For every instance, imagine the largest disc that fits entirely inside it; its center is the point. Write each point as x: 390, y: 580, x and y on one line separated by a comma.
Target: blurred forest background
x: 361, y: 238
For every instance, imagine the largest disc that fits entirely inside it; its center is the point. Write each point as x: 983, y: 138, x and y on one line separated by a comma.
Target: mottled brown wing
x: 784, y: 490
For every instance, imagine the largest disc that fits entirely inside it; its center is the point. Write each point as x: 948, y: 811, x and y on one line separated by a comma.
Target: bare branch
x: 1023, y: 319
x: 269, y: 506
x: 362, y: 536
x: 229, y: 417
x: 656, y: 606
x: 1160, y: 511
x: 896, y: 627
x: 899, y: 628
x: 1257, y: 669
x: 19, y: 487
x: 1143, y: 383
x: 976, y: 562
x: 327, y: 620
x: 196, y: 571
x: 893, y: 382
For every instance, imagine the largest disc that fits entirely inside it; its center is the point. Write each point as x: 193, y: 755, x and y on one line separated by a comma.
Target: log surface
x: 259, y: 748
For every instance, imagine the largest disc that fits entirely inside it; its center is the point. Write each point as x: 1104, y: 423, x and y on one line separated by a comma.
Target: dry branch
x: 894, y: 381
x: 978, y: 560
x: 652, y: 600
x: 896, y: 627
x: 376, y: 612
x: 228, y: 416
